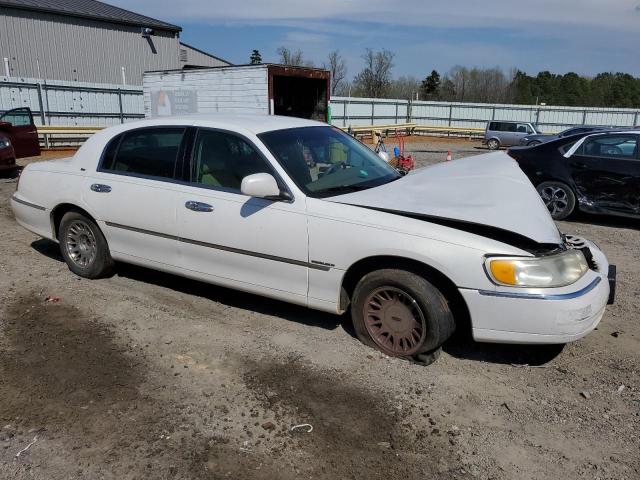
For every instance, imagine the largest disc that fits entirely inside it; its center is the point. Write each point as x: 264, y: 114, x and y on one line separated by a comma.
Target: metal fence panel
x: 369, y: 111
x: 63, y: 103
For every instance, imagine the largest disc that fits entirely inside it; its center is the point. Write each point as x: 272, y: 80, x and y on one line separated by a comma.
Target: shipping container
x: 265, y: 89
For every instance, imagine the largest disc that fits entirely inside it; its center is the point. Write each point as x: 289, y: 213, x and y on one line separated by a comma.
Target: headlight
x: 4, y: 143
x: 556, y: 270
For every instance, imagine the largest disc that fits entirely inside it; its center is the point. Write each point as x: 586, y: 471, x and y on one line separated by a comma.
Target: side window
x: 566, y: 147
x: 494, y: 126
x: 522, y: 128
x: 18, y: 117
x: 222, y: 160
x: 149, y: 152
x: 611, y: 146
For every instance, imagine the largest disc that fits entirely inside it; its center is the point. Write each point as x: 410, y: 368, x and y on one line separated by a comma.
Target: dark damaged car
x: 597, y: 173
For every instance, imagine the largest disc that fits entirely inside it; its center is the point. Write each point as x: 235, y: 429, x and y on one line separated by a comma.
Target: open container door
x: 299, y: 92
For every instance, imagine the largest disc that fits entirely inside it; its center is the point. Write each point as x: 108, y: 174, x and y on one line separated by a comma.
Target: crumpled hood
x: 488, y: 189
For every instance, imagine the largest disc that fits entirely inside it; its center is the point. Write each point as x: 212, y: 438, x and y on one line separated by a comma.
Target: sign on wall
x: 173, y: 102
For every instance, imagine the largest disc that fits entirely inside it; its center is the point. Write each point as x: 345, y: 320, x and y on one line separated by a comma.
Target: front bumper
x: 556, y: 315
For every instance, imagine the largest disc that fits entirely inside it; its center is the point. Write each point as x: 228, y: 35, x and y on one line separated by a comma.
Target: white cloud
x: 600, y: 14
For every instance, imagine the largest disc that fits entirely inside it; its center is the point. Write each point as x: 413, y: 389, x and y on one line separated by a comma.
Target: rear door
x: 606, y: 170
x: 19, y: 126
x: 508, y: 134
x: 133, y: 193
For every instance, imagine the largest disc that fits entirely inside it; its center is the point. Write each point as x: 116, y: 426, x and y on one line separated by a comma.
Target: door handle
x: 100, y: 188
x: 580, y: 165
x: 198, y: 206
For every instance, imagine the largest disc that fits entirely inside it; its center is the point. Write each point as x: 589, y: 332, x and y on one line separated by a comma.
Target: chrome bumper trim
x: 543, y: 296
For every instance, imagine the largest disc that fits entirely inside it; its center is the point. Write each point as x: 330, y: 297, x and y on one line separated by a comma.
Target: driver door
x: 252, y: 244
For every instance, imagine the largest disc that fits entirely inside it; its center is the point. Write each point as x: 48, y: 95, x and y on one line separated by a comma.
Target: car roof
x: 255, y: 124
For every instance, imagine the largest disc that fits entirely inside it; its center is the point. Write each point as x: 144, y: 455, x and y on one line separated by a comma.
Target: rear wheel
x: 83, y: 246
x: 493, y: 144
x: 401, y: 314
x: 559, y: 199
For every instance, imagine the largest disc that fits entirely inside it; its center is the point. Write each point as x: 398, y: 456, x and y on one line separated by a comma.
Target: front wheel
x: 533, y: 143
x: 83, y: 246
x: 401, y: 314
x: 559, y: 199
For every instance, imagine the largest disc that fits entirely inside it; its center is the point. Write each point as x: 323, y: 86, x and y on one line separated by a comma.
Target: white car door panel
x: 133, y: 193
x: 254, y: 241
x: 138, y: 215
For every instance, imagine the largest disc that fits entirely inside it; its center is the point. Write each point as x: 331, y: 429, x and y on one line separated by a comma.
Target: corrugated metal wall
x: 42, y: 45
x: 347, y: 111
x: 235, y: 90
x: 192, y: 56
x: 62, y: 103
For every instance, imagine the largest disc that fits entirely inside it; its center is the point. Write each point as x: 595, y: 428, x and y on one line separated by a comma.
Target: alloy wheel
x: 394, y: 321
x: 80, y: 244
x: 555, y: 198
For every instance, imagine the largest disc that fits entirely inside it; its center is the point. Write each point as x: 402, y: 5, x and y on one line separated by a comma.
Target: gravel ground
x: 147, y: 375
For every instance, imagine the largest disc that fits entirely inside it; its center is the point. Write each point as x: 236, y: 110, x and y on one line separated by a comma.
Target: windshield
x: 325, y: 161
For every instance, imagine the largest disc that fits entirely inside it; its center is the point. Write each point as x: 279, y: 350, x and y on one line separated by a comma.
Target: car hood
x: 486, y: 190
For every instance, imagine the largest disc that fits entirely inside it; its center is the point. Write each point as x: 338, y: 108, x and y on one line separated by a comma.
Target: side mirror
x: 5, y: 125
x: 262, y: 185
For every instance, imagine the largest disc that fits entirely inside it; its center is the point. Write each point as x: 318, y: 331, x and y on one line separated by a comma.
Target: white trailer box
x: 264, y: 89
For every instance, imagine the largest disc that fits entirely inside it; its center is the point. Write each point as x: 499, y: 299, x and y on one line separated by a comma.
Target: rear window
x: 150, y: 152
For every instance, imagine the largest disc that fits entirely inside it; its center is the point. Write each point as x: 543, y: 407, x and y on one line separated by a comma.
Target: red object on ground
x: 449, y: 157
x: 403, y: 162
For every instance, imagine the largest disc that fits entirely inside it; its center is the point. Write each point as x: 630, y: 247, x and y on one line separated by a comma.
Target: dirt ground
x: 148, y: 375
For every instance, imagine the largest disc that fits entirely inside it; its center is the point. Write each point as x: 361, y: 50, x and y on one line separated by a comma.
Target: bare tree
x: 375, y: 79
x: 294, y: 59
x: 404, y: 88
x: 486, y: 85
x: 338, y: 67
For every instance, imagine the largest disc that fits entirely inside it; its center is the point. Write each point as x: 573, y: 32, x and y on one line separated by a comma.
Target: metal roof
x: 90, y: 9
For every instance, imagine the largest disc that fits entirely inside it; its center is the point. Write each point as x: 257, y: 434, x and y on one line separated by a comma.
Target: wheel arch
x: 58, y: 212
x: 448, y: 288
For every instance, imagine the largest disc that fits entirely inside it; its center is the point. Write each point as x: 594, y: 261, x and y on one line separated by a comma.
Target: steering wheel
x: 335, y: 167
x: 612, y: 150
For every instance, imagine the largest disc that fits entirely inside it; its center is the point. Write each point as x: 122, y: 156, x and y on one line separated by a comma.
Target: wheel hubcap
x: 395, y: 321
x: 555, y: 198
x: 80, y: 244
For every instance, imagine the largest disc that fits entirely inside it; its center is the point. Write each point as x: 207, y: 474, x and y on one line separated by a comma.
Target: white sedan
x: 299, y: 211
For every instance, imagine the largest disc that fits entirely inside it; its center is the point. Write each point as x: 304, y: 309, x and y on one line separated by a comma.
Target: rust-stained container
x: 266, y: 89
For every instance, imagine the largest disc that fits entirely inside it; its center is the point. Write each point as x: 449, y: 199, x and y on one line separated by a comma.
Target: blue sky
x: 585, y: 36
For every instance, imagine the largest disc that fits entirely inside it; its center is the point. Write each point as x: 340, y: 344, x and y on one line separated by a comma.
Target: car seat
x: 214, y: 164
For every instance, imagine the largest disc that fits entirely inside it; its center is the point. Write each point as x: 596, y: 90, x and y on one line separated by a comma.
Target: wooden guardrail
x: 64, y: 130
x: 408, y: 128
